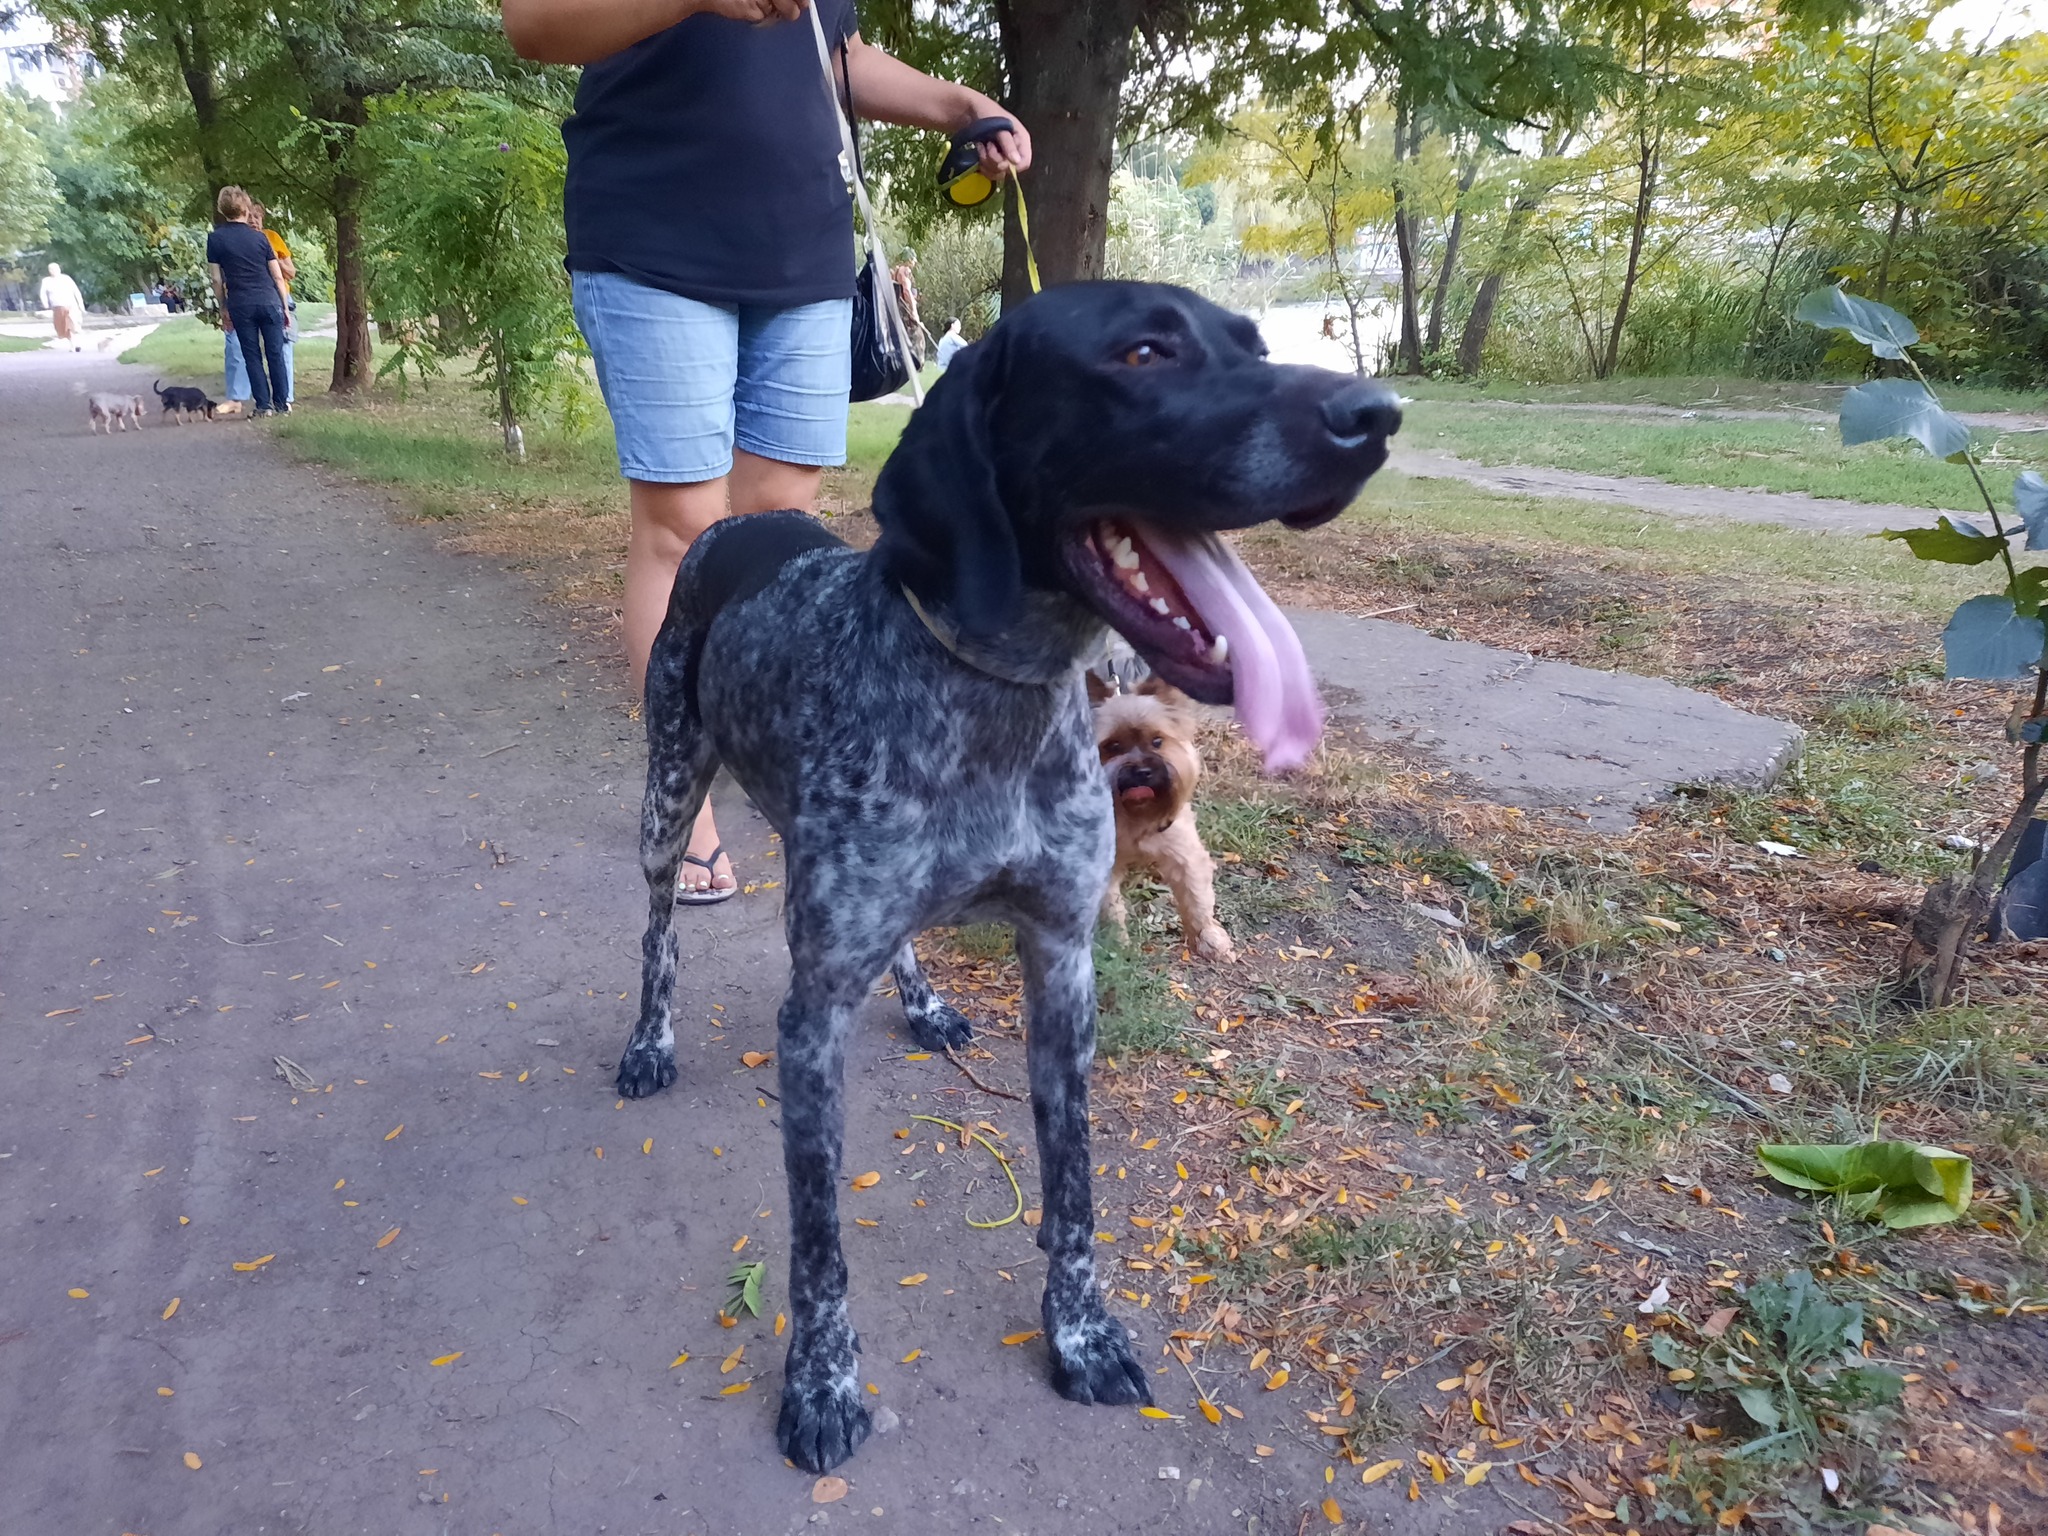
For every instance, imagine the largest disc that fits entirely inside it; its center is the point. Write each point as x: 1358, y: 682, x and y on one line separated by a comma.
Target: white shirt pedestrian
x: 60, y: 296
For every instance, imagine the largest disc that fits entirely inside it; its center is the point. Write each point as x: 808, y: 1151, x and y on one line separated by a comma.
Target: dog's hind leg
x: 934, y: 1023
x: 1092, y: 1361
x: 680, y: 768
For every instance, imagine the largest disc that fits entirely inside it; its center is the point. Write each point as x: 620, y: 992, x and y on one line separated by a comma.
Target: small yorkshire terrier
x: 1147, y: 743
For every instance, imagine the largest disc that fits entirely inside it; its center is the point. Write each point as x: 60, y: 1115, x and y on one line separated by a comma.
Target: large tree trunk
x: 1648, y: 162
x: 351, y: 287
x: 1479, y: 319
x: 1434, y: 338
x: 193, y: 43
x: 1066, y: 61
x: 1407, y: 143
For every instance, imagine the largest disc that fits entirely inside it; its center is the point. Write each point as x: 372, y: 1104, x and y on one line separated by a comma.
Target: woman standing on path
x: 60, y: 296
x: 711, y: 258
x: 253, y: 297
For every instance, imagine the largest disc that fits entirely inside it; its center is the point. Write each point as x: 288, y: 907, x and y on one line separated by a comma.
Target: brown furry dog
x: 1147, y: 742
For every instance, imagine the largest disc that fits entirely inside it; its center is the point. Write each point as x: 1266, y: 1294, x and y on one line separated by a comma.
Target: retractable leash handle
x: 966, y: 185
x: 876, y: 254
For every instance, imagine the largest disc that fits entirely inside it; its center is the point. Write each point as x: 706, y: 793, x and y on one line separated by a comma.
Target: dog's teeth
x: 1125, y: 556
x: 1161, y: 606
x: 1139, y: 583
x: 1180, y: 622
x: 1220, y: 651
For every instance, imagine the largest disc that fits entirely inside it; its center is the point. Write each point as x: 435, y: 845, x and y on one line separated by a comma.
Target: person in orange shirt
x: 291, y: 275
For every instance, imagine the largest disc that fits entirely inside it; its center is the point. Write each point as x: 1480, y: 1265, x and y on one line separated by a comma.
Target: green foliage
x: 1998, y: 635
x: 1896, y: 1182
x: 27, y: 189
x: 466, y: 247
x: 746, y: 1283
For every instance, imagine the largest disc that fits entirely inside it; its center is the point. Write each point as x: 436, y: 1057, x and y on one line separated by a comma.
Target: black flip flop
x: 709, y: 895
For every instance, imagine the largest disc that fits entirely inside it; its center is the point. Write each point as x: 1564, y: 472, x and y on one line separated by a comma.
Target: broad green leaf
x: 1990, y: 639
x: 1878, y: 326
x: 2030, y: 498
x: 1760, y: 1405
x: 1897, y: 1182
x: 1874, y: 413
x: 1948, y: 543
x: 2029, y: 590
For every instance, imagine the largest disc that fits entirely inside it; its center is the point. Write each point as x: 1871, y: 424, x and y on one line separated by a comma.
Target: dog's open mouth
x: 1187, y: 605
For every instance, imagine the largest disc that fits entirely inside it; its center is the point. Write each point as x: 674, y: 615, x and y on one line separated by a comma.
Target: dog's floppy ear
x: 946, y: 533
x: 1156, y: 687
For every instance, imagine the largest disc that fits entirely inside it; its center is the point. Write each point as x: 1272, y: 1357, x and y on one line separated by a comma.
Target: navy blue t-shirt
x: 704, y: 160
x: 243, y: 254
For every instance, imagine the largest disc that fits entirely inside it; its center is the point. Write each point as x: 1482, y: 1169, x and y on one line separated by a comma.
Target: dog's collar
x: 1004, y: 669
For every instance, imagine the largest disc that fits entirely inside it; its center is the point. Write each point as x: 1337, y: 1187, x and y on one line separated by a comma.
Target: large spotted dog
x: 913, y: 721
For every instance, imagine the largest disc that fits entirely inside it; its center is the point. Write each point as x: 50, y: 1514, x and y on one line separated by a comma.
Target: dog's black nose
x: 1359, y: 412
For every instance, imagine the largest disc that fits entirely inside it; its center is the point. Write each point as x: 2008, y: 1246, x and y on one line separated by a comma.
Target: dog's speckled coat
x: 919, y: 782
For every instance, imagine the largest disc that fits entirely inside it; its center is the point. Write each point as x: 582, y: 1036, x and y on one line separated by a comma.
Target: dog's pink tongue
x: 1277, y: 702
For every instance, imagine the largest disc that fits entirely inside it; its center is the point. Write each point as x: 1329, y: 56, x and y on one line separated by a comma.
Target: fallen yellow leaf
x: 150, y: 1173
x: 172, y: 1310
x: 647, y: 1147
x: 392, y: 1134
x: 1333, y: 1512
x: 1022, y: 1338
x: 828, y: 1490
x: 166, y: 1392
x: 682, y: 1359
x: 1211, y: 1412
x: 781, y: 1322
x: 910, y: 1357
x: 246, y: 1266
x: 1276, y: 1381
x: 519, y: 1200
x: 731, y: 1361
x: 192, y: 1460
x: 78, y: 1293
x: 917, y: 1279
x: 919, y: 1056
x: 862, y: 1221
x: 1477, y: 1475
x: 737, y: 1386
x: 744, y: 1238
x: 1262, y: 1450
x: 866, y: 1180
x: 446, y: 1359
x: 756, y: 1058
x: 1149, y: 1412
x: 1379, y: 1469
x: 389, y: 1237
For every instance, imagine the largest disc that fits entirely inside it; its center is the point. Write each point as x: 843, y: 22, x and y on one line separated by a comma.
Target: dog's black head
x: 1094, y: 443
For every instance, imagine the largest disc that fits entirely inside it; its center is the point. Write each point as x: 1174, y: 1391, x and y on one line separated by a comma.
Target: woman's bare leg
x: 666, y: 520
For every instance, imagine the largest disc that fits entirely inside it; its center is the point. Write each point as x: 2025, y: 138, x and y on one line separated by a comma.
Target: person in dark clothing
x: 254, y: 298
x: 711, y: 256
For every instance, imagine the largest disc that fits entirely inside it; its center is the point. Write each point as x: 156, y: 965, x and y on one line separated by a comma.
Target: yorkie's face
x: 1147, y: 746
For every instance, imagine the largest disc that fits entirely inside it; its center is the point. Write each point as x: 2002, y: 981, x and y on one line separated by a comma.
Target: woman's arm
x: 220, y: 294
x: 284, y: 291
x: 887, y: 90
x: 584, y: 31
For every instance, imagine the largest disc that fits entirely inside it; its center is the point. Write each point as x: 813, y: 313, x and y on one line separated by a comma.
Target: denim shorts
x: 686, y: 381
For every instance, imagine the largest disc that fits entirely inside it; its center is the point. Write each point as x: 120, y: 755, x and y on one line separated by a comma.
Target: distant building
x: 32, y: 61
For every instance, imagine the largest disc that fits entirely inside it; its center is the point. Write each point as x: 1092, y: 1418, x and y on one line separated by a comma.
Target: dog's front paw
x: 1214, y: 944
x: 646, y: 1069
x: 940, y: 1026
x: 822, y: 1421
x: 1092, y: 1362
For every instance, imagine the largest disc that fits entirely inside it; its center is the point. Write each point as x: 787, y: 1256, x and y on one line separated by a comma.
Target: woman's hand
x: 1006, y: 152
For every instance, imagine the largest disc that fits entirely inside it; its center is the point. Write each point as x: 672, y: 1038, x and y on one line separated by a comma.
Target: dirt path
x: 289, y: 782
x: 1666, y: 498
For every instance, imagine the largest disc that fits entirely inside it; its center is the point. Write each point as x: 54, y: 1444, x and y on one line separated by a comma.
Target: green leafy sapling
x: 1997, y: 637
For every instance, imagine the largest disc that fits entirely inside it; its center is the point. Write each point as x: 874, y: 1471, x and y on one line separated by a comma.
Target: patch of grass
x: 1736, y: 454
x: 985, y: 941
x: 1706, y: 392
x: 185, y: 347
x: 1866, y: 573
x: 1975, y: 1060
x: 1871, y: 717
x: 1136, y: 1010
x: 20, y: 344
x: 1257, y: 831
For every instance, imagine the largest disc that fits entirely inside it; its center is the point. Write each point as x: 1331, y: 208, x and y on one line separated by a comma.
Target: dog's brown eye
x: 1158, y: 741
x: 1142, y: 355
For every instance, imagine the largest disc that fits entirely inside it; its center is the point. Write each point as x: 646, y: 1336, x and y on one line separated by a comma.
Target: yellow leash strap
x: 1024, y: 228
x: 954, y: 1125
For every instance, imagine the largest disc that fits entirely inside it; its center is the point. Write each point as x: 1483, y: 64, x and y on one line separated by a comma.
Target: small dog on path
x: 181, y: 400
x: 1147, y: 744
x: 105, y: 410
